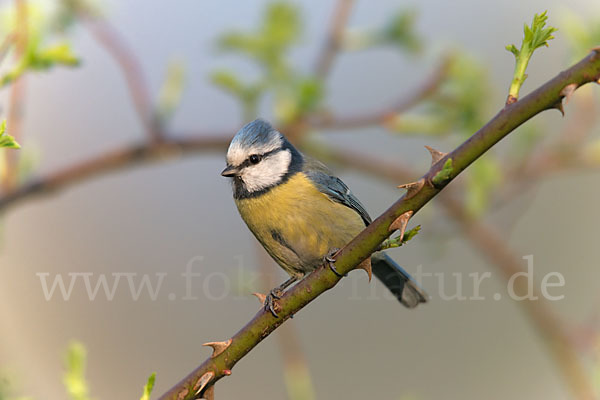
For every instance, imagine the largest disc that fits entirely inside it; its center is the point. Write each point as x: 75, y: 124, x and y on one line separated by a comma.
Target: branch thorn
x: 412, y: 188
x: 366, y: 265
x: 567, y: 91
x: 400, y: 223
x: 227, y: 372
x: 559, y: 106
x: 435, y: 155
x: 203, y: 381
x: 261, y: 297
x: 218, y: 347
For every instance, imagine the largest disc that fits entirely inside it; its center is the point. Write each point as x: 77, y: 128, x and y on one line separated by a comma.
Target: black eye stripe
x: 247, y: 162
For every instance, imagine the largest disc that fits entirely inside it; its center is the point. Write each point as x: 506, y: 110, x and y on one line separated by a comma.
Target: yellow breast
x: 298, y: 225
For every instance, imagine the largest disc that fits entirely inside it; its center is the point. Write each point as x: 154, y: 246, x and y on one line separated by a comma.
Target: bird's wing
x: 333, y: 187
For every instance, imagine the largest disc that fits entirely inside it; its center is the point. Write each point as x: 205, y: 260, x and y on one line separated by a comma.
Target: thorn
x: 400, y: 223
x: 227, y: 372
x: 366, y: 265
x: 412, y: 188
x: 218, y: 347
x: 203, y: 381
x: 261, y: 297
x: 559, y: 106
x: 567, y: 91
x: 435, y: 155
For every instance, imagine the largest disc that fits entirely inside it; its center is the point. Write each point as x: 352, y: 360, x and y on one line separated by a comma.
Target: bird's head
x: 259, y: 158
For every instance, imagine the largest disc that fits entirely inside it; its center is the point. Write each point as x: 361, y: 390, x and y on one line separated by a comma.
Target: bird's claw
x: 331, y: 262
x: 269, y: 304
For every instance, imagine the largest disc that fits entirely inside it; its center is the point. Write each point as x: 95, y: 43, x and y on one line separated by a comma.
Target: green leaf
x: 247, y: 94
x: 483, y: 177
x: 458, y: 101
x: 57, y: 54
x: 581, y: 33
x: 400, y: 31
x: 7, y: 140
x: 227, y: 81
x: 513, y: 49
x: 280, y: 28
x: 74, y: 377
x: 171, y: 90
x: 309, y: 93
x: 444, y: 174
x: 538, y: 35
x: 148, y: 387
x: 43, y: 50
x: 397, y: 241
x: 281, y: 24
x: 535, y: 36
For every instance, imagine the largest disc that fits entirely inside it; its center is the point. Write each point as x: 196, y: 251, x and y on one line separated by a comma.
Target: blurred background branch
x: 448, y: 104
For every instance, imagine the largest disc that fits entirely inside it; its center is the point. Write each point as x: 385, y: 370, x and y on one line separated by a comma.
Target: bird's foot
x: 330, y: 260
x: 270, y: 300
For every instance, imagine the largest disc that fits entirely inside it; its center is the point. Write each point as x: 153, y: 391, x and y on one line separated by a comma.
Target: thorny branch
x: 440, y: 174
x: 162, y: 147
x: 485, y: 239
x: 172, y: 148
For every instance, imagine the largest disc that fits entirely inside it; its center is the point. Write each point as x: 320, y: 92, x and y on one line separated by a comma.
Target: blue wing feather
x: 333, y: 187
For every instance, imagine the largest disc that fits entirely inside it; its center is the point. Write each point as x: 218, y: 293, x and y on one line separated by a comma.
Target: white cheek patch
x: 237, y: 154
x: 268, y: 172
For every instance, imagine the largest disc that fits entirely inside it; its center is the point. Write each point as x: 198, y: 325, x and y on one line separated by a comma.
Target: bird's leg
x: 276, y: 293
x: 331, y: 262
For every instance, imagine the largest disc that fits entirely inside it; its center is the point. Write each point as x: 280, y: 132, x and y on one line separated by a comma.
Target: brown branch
x: 130, y: 66
x: 295, y: 369
x: 382, y: 117
x: 484, y: 238
x: 334, y: 39
x: 439, y: 175
x: 112, y: 161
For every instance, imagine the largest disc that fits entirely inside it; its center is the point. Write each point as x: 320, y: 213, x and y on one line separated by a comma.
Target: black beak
x: 229, y: 171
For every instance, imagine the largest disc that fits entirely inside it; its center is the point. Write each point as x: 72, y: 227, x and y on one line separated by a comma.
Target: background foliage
x: 137, y: 80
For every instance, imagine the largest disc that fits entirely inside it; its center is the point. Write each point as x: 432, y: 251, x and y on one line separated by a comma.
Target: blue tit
x: 299, y: 211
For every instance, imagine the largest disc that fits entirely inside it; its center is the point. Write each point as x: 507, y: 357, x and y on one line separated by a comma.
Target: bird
x: 299, y: 211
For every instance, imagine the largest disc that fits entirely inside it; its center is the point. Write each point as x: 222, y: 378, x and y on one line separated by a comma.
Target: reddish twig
x: 131, y: 69
x: 334, y: 39
x: 112, y: 161
x: 382, y: 117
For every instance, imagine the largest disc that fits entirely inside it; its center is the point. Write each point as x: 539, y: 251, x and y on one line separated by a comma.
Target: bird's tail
x: 397, y: 280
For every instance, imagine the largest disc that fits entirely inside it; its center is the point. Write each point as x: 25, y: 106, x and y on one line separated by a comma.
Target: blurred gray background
x: 157, y: 217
